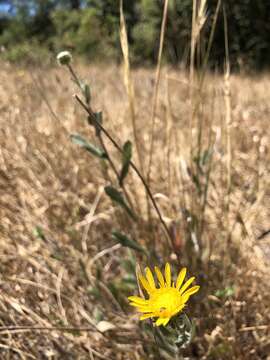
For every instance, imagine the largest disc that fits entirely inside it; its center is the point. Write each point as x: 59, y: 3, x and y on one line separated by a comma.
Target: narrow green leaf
x: 124, y: 240
x: 114, y: 194
x: 99, y: 119
x: 86, y: 92
x: 126, y: 157
x: 94, y: 150
x: 117, y: 197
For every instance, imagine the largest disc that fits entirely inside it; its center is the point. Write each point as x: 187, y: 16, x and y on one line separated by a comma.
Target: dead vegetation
x: 60, y: 267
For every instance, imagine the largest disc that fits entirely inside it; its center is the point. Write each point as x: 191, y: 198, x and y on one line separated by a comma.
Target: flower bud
x: 64, y: 58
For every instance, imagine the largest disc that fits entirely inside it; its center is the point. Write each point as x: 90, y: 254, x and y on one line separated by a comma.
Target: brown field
x: 60, y: 266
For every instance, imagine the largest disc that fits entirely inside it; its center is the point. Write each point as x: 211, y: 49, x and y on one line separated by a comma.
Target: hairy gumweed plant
x: 116, y: 190
x: 164, y: 304
x: 166, y: 300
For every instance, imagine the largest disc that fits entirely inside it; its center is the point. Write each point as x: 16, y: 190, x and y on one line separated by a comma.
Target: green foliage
x: 38, y: 233
x: 66, y: 24
x: 174, y: 337
x: 125, y: 241
x: 248, y: 32
x: 84, y: 31
x: 146, y: 31
x: 92, y: 30
x: 94, y: 150
x: 27, y: 53
x: 225, y: 293
x: 118, y: 198
x: 126, y: 157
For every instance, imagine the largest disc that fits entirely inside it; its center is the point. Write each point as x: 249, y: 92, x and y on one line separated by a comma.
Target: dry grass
x: 55, y: 219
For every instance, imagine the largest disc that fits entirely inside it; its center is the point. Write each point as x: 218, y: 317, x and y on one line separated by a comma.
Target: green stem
x: 132, y: 165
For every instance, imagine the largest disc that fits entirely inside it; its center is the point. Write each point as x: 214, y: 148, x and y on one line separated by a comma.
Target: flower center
x: 165, y: 301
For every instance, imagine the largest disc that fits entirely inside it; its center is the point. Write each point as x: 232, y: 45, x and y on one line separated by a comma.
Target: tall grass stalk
x: 156, y: 88
x: 228, y: 122
x: 199, y: 148
x: 129, y: 85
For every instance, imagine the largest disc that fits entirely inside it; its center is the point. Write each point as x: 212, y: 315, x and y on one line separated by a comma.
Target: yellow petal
x: 168, y: 274
x: 180, y: 278
x: 145, y: 283
x: 192, y: 290
x: 180, y: 307
x: 150, y: 278
x: 134, y: 304
x: 159, y: 321
x: 141, y: 308
x: 165, y: 322
x: 160, y: 277
x: 137, y: 300
x: 146, y: 316
x: 162, y: 321
x: 188, y: 293
x: 186, y: 285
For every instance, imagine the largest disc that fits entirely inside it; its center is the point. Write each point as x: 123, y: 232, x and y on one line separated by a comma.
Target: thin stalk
x: 210, y: 43
x: 195, y: 106
x: 193, y: 46
x: 205, y: 62
x: 154, y: 104
x: 228, y: 119
x: 129, y: 83
x: 132, y: 165
x: 75, y: 77
x: 191, y: 69
x: 115, y: 171
x: 131, y: 95
x: 102, y: 144
x: 168, y: 140
x: 157, y: 81
x: 206, y: 187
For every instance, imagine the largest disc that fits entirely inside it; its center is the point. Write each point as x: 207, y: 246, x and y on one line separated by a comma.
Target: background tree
x: 91, y: 27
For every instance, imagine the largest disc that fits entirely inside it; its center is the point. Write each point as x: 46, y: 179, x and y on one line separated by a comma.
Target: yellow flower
x: 166, y: 300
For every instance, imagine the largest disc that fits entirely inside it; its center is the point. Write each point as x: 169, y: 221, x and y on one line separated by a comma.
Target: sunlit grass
x: 60, y: 265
